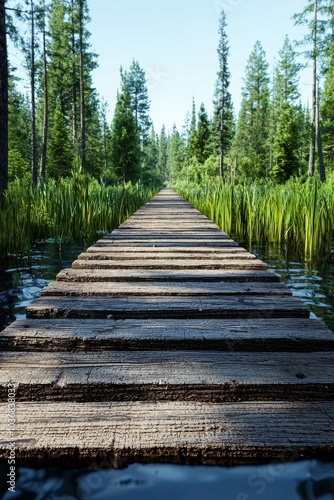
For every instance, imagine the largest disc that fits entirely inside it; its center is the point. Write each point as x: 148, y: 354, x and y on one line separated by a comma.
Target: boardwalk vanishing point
x: 167, y: 342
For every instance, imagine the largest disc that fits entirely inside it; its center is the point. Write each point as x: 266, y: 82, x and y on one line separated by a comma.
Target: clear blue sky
x: 176, y: 41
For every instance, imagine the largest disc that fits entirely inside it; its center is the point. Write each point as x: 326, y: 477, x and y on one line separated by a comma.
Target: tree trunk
x: 3, y: 102
x: 33, y: 100
x: 311, y: 167
x: 74, y: 84
x: 322, y: 169
x: 222, y: 143
x: 82, y: 89
x: 46, y: 104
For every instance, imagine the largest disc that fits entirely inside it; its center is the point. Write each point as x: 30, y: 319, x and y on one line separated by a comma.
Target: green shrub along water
x: 67, y: 210
x: 297, y: 214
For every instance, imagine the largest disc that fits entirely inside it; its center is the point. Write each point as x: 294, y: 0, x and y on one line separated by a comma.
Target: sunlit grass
x: 76, y: 209
x: 300, y: 215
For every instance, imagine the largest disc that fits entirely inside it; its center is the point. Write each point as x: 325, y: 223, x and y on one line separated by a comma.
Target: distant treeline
x: 61, y: 125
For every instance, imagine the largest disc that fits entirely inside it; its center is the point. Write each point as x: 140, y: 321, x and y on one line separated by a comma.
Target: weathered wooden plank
x: 170, y: 222
x: 121, y: 433
x: 169, y: 252
x: 173, y: 227
x: 167, y: 307
x: 251, y: 264
x: 189, y: 289
x: 102, y: 255
x: 173, y: 376
x: 105, y: 275
x: 149, y: 216
x: 281, y: 335
x: 212, y: 237
x: 156, y: 243
x: 171, y: 233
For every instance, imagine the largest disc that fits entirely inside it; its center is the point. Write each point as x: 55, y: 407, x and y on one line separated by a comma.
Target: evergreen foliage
x: 125, y: 142
x: 252, y: 135
x: 223, y: 108
x: 61, y: 153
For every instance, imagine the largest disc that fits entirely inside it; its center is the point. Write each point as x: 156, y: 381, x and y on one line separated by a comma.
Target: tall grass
x: 76, y: 209
x: 300, y: 215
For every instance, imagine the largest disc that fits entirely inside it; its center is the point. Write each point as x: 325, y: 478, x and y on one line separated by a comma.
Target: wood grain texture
x: 249, y: 335
x: 161, y: 251
x: 173, y: 376
x: 170, y: 275
x: 167, y: 307
x: 167, y: 341
x: 121, y: 433
x: 251, y: 264
x: 165, y: 256
x: 166, y: 243
x: 188, y: 289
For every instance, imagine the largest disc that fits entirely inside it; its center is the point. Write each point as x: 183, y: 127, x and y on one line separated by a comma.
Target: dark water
x: 308, y: 480
x: 314, y: 284
x: 23, y: 282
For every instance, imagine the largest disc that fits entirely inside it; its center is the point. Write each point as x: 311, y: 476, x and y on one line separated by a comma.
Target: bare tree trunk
x: 46, y: 104
x: 74, y: 86
x: 82, y: 89
x: 3, y: 102
x: 311, y: 168
x: 222, y: 142
x: 33, y: 99
x: 322, y: 169
x: 105, y: 132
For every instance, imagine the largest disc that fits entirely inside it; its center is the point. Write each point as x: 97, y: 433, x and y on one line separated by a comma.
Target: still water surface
x: 308, y: 480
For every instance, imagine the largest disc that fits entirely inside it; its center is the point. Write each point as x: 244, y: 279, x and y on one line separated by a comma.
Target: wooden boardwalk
x: 167, y: 342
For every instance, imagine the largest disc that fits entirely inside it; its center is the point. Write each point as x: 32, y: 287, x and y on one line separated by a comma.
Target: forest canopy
x: 61, y: 125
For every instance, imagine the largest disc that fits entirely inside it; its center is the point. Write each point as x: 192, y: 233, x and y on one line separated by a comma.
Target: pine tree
x: 175, y: 154
x: 60, y: 160
x: 125, y: 142
x: 202, y: 136
x: 136, y: 83
x: 42, y: 12
x: 191, y: 146
x: 3, y: 102
x: 313, y: 37
x: 162, y: 155
x: 286, y: 76
x: 223, y: 108
x: 70, y: 74
x: 251, y: 141
x: 285, y: 114
x: 150, y: 168
x: 18, y: 132
x: 286, y: 144
x: 327, y: 96
x: 29, y: 46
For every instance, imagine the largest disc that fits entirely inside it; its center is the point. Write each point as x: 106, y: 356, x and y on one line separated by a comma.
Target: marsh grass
x: 77, y: 209
x: 296, y: 214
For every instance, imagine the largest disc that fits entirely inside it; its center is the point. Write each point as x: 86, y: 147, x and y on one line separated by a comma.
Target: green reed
x: 300, y: 215
x: 75, y: 209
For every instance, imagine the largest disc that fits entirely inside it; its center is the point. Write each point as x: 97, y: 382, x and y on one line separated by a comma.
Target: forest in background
x: 266, y: 174
x: 60, y: 125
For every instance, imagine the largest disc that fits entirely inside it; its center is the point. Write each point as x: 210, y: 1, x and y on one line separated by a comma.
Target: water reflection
x: 21, y: 284
x: 314, y: 286
x: 308, y: 480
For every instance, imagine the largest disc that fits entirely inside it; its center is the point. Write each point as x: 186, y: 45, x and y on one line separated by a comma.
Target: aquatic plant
x: 297, y: 214
x: 68, y: 210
